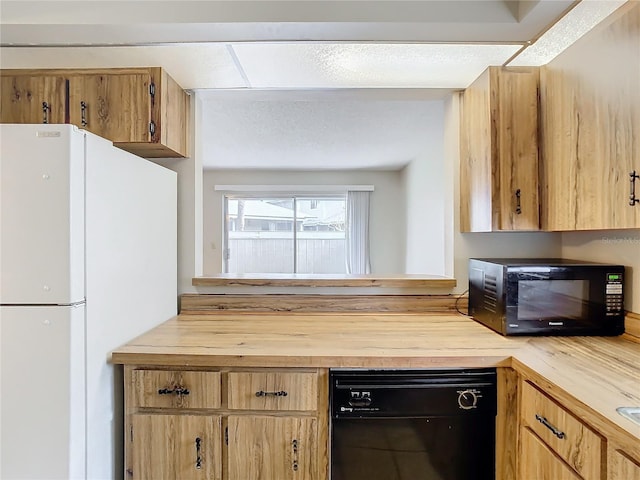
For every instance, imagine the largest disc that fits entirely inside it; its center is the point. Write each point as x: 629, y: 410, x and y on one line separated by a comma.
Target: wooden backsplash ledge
x: 632, y: 326
x: 211, y: 303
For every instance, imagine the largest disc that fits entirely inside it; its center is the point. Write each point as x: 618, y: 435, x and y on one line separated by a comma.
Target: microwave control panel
x: 613, y: 297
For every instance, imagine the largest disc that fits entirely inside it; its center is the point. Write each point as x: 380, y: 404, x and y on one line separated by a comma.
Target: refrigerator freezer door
x: 42, y: 380
x: 41, y: 214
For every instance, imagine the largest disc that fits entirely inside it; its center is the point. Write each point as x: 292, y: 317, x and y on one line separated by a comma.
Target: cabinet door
x: 23, y: 96
x: 515, y: 110
x: 590, y: 122
x: 272, y: 448
x: 539, y: 463
x: 176, y: 447
x: 499, y: 151
x: 114, y: 106
x: 622, y: 467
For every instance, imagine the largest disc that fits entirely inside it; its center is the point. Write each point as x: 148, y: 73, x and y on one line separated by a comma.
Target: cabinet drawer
x: 176, y: 389
x: 572, y: 440
x: 273, y: 391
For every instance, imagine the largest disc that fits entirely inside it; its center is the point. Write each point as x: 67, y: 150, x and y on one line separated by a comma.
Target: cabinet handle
x: 262, y: 393
x: 176, y: 390
x: 83, y: 113
x: 294, y: 446
x: 632, y: 189
x: 518, y: 205
x: 553, y: 429
x: 46, y: 109
x: 198, y: 456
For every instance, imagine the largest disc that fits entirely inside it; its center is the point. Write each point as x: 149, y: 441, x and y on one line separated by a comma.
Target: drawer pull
x: 46, y: 110
x: 633, y: 176
x: 83, y: 113
x: 518, y: 204
x: 198, y: 456
x: 262, y: 393
x: 177, y: 391
x: 546, y: 423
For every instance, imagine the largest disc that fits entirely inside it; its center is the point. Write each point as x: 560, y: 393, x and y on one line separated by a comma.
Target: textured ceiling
x: 317, y: 130
x: 404, y: 56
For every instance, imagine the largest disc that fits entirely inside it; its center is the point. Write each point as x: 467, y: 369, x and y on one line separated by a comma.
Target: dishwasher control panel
x: 412, y: 393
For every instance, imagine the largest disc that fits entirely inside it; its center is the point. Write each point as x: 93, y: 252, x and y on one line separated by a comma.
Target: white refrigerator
x: 88, y: 261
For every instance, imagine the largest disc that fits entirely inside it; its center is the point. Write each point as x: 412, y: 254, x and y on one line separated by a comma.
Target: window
x: 285, y: 234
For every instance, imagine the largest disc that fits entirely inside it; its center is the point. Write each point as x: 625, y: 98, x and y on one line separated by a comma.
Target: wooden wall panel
x: 211, y: 303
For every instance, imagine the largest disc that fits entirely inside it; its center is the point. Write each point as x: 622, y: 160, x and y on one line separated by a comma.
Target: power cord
x: 458, y: 300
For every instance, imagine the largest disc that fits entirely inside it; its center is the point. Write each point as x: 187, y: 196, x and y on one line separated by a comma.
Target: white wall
x: 425, y: 193
x: 190, y: 217
x: 609, y: 246
x: 387, y: 221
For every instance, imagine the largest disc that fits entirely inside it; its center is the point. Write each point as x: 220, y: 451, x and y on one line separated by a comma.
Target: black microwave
x: 524, y: 296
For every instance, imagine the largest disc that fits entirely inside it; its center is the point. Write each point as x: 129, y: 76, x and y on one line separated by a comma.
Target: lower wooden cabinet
x: 558, y: 441
x: 175, y: 446
x: 622, y: 466
x: 265, y: 447
x: 539, y: 462
x: 577, y: 445
x: 226, y: 424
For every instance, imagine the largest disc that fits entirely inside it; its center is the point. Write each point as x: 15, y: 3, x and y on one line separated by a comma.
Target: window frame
x: 279, y: 195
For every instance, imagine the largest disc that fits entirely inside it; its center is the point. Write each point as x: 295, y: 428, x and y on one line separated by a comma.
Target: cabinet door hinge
x: 131, y: 432
x: 226, y: 435
x: 152, y: 89
x: 152, y: 128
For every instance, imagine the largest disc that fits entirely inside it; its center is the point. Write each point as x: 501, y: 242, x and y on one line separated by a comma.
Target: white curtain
x: 357, y: 232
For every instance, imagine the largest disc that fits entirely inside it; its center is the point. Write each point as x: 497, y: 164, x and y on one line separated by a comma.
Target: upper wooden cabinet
x: 499, y: 151
x: 590, y: 128
x: 112, y: 106
x: 32, y: 99
x: 141, y: 110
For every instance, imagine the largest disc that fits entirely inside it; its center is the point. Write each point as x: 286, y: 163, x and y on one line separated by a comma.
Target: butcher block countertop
x: 596, y: 373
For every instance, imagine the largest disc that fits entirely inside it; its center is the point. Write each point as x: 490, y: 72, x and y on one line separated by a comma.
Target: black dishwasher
x: 413, y: 424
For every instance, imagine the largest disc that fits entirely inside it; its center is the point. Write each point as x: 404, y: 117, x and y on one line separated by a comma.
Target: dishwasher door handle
x: 360, y: 402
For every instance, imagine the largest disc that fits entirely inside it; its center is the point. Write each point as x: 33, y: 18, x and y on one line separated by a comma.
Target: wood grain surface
x: 118, y: 105
x: 323, y: 280
x: 632, y: 326
x: 499, y: 151
x: 212, y: 303
x: 165, y: 447
x: 507, y: 422
x: 539, y: 463
x: 621, y: 467
x: 590, y: 103
x: 204, y: 389
x: 280, y: 391
x: 21, y: 98
x: 320, y: 340
x: 592, y: 374
x: 580, y: 447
